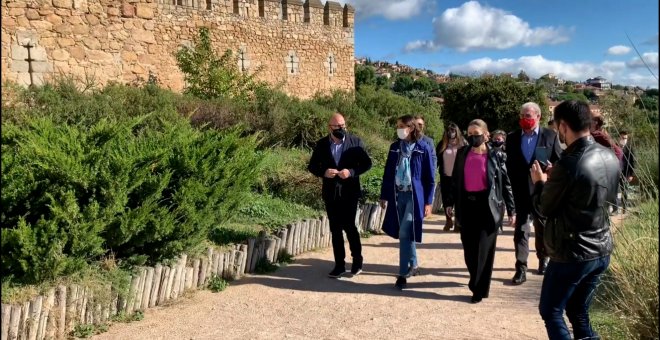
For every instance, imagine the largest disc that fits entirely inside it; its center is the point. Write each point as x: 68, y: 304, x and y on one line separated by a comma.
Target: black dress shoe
x: 400, y: 283
x: 476, y: 298
x: 543, y: 265
x: 520, y: 277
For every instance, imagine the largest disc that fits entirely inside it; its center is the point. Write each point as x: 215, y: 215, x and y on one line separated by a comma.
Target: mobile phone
x: 541, y: 155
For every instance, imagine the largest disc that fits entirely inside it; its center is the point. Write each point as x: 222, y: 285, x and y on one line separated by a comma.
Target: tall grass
x: 630, y: 287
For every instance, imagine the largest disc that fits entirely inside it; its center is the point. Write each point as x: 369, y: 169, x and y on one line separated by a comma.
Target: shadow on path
x: 311, y: 275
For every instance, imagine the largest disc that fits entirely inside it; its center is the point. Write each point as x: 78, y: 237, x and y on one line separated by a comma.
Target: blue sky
x: 575, y: 40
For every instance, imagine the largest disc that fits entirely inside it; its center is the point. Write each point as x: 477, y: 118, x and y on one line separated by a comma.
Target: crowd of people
x: 560, y: 179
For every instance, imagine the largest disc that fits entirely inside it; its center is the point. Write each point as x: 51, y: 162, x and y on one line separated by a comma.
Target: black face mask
x: 498, y: 143
x: 339, y: 133
x: 475, y: 141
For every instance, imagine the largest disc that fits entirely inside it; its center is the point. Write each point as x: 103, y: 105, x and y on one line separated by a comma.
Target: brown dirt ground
x: 299, y: 302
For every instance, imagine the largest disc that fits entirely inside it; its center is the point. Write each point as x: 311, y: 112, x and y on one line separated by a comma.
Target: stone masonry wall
x: 303, y: 47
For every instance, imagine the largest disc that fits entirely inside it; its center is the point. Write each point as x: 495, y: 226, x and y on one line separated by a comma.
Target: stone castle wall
x: 303, y: 47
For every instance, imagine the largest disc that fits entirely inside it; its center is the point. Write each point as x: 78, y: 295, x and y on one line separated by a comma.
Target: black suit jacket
x: 354, y: 157
x: 518, y: 166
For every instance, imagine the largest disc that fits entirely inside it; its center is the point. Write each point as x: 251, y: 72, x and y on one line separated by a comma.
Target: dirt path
x: 300, y: 302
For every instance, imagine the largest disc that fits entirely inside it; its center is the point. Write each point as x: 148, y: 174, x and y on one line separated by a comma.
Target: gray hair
x: 531, y: 105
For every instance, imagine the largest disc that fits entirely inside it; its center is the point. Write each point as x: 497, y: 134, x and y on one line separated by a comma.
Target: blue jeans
x: 570, y: 286
x: 407, y: 249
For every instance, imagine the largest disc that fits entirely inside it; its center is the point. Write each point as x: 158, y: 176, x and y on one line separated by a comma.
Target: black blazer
x: 498, y: 185
x: 354, y: 157
x: 518, y: 166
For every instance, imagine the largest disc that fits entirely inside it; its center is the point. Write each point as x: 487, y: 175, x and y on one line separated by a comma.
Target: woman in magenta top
x: 481, y: 189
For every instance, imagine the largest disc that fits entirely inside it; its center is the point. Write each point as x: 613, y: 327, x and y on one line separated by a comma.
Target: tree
x: 522, y: 76
x: 403, y: 83
x: 496, y: 100
x: 364, y: 75
x: 424, y: 84
x: 209, y: 76
x: 591, y: 95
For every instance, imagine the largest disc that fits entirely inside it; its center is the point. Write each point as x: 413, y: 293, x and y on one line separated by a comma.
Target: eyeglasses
x: 337, y: 126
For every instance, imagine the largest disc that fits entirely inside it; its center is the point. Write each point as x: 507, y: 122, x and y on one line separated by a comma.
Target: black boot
x: 543, y: 265
x: 520, y: 277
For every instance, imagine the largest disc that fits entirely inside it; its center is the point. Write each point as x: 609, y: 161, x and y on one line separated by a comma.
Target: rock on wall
x: 303, y: 47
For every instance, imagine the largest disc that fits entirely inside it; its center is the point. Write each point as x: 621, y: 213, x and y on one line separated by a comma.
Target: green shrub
x: 217, y: 284
x: 70, y: 194
x: 630, y: 287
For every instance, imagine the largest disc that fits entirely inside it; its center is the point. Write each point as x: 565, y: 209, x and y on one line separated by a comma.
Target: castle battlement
x: 306, y: 47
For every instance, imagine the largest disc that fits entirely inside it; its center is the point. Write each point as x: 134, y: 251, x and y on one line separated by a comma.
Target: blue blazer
x: 422, y: 172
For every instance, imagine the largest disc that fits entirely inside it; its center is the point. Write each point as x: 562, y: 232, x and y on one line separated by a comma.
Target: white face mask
x: 623, y: 142
x: 402, y: 133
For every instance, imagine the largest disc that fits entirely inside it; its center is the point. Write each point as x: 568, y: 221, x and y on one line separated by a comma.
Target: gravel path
x: 300, y: 302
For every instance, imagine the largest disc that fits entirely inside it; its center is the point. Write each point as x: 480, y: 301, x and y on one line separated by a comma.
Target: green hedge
x: 71, y: 195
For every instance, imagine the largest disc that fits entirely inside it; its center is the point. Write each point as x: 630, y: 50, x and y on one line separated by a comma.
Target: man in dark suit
x: 340, y: 158
x: 524, y: 146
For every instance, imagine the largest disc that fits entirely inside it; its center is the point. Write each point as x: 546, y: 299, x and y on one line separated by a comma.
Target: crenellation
x: 313, y: 12
x: 119, y: 40
x: 333, y: 14
x: 292, y: 11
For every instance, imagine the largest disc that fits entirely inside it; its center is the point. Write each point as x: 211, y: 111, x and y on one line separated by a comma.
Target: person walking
x: 574, y: 196
x: 482, y: 189
x: 452, y: 140
x: 407, y: 193
x: 497, y: 143
x: 523, y: 146
x: 627, y: 168
x: 340, y: 158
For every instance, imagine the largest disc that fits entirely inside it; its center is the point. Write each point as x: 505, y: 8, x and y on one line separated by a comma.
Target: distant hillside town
x: 558, y: 89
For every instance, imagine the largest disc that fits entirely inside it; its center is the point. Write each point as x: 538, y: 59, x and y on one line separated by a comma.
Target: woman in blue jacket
x: 407, y: 190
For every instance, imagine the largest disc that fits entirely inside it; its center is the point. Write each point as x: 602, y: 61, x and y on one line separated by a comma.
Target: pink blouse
x: 474, y: 173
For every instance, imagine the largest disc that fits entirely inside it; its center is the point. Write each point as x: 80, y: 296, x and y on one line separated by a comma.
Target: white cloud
x: 651, y: 59
x: 419, y: 45
x: 617, y: 72
x: 473, y: 27
x: 389, y: 9
x: 618, y: 50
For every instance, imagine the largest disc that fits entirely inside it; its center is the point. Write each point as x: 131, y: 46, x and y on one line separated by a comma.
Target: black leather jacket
x: 575, y: 200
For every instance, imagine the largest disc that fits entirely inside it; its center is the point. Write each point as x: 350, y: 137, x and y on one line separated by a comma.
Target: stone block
x: 144, y: 11
x: 80, y: 4
x: 127, y: 10
x: 18, y: 52
x: 80, y: 29
x: 99, y: 56
x: 27, y: 37
x: 113, y: 12
x: 14, y: 12
x: 77, y: 53
x: 43, y: 66
x: 64, y: 42
x: 16, y: 4
x: 95, y: 8
x: 63, y: 29
x: 92, y: 19
x: 60, y: 55
x: 41, y: 25
x: 54, y: 19
x: 143, y: 36
x: 32, y: 14
x: 63, y: 3
x: 22, y: 21
x: 19, y: 66
x: 92, y: 43
x: 39, y: 54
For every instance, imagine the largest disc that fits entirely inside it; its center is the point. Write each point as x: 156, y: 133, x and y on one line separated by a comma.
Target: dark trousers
x: 521, y: 238
x: 341, y: 214
x: 570, y: 286
x: 479, y: 236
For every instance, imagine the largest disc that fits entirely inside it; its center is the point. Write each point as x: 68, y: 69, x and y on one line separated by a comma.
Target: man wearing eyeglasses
x: 524, y: 146
x: 340, y: 158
